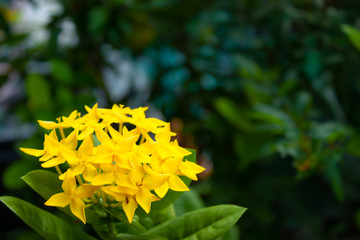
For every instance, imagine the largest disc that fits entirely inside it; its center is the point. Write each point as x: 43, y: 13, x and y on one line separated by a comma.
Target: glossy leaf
x: 134, y: 237
x: 204, y: 224
x: 46, y: 224
x: 45, y: 183
x: 187, y: 202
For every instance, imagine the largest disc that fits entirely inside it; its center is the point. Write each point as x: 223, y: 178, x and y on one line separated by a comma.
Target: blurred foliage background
x: 267, y: 91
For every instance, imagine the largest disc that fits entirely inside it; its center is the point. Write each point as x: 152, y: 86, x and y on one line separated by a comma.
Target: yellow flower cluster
x: 113, y: 156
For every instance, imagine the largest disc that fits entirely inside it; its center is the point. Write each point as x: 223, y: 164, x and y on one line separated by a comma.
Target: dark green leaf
x: 353, y: 145
x: 187, y: 202
x: 312, y: 64
x: 98, y: 17
x: 332, y: 172
x: 251, y: 147
x: 204, y: 224
x: 61, y: 71
x: 231, y: 112
x: 45, y: 183
x: 39, y: 95
x: 353, y: 34
x: 47, y: 225
x: 134, y: 237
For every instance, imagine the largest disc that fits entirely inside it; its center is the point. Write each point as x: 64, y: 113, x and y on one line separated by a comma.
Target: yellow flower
x: 190, y: 169
x: 72, y: 195
x: 89, y: 123
x: 50, y: 155
x: 80, y: 161
x: 130, y: 160
x: 66, y: 123
x: 168, y: 167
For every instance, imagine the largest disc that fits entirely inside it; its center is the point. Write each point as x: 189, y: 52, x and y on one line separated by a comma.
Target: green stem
x: 136, y: 226
x: 58, y: 170
x: 111, y: 226
x: 79, y: 179
x: 172, y: 210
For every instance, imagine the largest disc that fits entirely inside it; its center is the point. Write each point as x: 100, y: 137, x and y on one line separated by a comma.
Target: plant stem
x: 58, y: 170
x: 79, y: 179
x: 112, y: 226
x: 62, y: 133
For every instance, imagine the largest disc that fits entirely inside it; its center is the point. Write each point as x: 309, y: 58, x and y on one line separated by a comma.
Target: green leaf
x: 329, y: 131
x: 98, y: 17
x: 312, y: 64
x: 353, y: 145
x: 187, y: 202
x: 252, y: 147
x: 45, y: 183
x: 39, y: 94
x: 61, y: 71
x: 108, y: 235
x: 203, y: 224
x: 275, y: 120
x: 46, y: 224
x: 232, y: 113
x: 232, y: 234
x: 332, y: 172
x: 248, y: 68
x: 123, y: 236
x: 353, y: 34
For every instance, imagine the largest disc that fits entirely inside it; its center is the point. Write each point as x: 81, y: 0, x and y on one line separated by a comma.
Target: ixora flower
x: 116, y: 157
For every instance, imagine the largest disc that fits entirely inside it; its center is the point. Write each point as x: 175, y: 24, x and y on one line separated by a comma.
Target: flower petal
x: 47, y: 124
x: 143, y: 198
x: 53, y: 162
x: 33, y: 152
x: 129, y: 206
x: 69, y: 183
x: 86, y: 147
x: 85, y: 191
x: 153, y: 181
x: 124, y: 181
x: 161, y: 191
x: 190, y: 169
x: 164, y: 136
x: 89, y: 172
x: 103, y: 179
x: 77, y: 207
x: 122, y: 161
x: 69, y: 155
x: 176, y: 184
x: 85, y: 133
x: 171, y: 165
x: 53, y: 135
x: 71, y: 140
x: 58, y: 200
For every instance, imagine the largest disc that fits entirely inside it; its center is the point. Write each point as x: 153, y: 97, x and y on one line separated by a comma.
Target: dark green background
x: 267, y: 91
